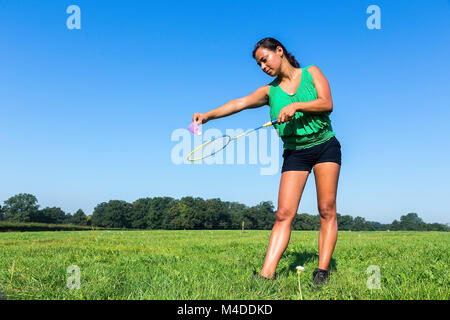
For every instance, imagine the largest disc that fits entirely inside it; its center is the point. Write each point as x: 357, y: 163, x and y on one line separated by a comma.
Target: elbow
x: 330, y: 106
x: 326, y: 105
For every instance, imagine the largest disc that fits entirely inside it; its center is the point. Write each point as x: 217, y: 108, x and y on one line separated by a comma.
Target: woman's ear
x: 280, y: 50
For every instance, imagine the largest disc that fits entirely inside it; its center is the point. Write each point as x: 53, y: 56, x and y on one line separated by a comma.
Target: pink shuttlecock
x: 195, y: 128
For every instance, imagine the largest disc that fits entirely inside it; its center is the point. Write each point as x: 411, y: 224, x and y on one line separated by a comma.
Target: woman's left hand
x: 286, y: 114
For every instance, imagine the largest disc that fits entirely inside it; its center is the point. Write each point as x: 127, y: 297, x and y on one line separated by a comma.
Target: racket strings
x: 210, y: 148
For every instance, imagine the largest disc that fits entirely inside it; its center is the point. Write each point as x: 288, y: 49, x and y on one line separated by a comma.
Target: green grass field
x: 218, y: 265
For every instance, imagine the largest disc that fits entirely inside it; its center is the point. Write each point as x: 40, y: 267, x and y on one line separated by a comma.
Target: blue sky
x: 87, y: 115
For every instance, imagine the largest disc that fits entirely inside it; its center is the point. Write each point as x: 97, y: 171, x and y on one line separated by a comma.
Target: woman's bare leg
x: 327, y: 175
x: 291, y: 188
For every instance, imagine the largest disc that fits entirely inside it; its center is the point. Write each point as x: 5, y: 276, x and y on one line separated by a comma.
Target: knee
x: 327, y: 210
x: 284, y: 214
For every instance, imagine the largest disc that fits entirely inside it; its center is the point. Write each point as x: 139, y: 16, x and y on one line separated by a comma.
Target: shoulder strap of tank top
x: 311, y: 65
x: 306, y: 69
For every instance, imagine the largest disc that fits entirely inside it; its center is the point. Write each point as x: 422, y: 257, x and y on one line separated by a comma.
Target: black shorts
x: 305, y: 159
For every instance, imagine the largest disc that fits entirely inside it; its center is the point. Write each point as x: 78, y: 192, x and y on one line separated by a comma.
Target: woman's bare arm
x: 324, y: 102
x: 254, y: 100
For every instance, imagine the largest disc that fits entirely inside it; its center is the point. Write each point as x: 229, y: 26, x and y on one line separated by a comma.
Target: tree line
x: 192, y: 214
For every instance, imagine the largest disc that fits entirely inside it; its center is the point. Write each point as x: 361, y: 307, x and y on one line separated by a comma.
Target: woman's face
x: 268, y: 60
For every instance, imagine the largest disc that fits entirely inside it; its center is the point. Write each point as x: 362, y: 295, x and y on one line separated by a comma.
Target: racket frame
x: 229, y: 140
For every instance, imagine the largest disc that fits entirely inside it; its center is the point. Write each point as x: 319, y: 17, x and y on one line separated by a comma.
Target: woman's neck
x: 288, y: 72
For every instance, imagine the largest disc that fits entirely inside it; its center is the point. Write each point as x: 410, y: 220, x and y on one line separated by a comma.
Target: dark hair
x: 272, y: 44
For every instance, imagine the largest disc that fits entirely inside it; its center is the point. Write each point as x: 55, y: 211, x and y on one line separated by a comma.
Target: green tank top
x: 305, y: 129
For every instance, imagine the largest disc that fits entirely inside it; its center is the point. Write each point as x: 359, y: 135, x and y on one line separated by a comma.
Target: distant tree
x: 112, y: 214
x: 21, y: 208
x: 79, y: 218
x: 215, y: 214
x: 224, y: 220
x: 184, y: 214
x: 171, y: 216
x: 436, y: 227
x: 345, y: 222
x: 152, y: 213
x: 236, y: 212
x: 266, y: 216
x: 89, y: 220
x: 411, y: 221
x: 141, y: 211
x: 50, y: 215
x: 395, y: 225
x: 158, y: 214
x: 2, y: 213
x: 360, y: 224
x: 250, y: 218
x: 304, y: 221
x: 379, y: 226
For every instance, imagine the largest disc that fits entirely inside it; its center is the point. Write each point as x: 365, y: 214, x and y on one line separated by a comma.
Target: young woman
x: 300, y: 99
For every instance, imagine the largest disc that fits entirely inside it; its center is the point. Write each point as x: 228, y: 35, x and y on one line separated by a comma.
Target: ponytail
x: 272, y: 44
x: 292, y: 60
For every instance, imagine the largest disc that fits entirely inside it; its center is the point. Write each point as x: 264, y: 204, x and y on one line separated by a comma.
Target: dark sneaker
x: 320, y: 277
x: 257, y: 275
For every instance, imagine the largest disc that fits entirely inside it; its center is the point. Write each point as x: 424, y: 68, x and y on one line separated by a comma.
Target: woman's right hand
x: 200, y: 118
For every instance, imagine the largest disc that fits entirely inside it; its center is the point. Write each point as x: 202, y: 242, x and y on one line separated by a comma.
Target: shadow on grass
x: 304, y: 258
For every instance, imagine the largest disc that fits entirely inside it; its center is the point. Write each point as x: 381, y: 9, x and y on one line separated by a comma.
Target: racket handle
x: 270, y: 123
